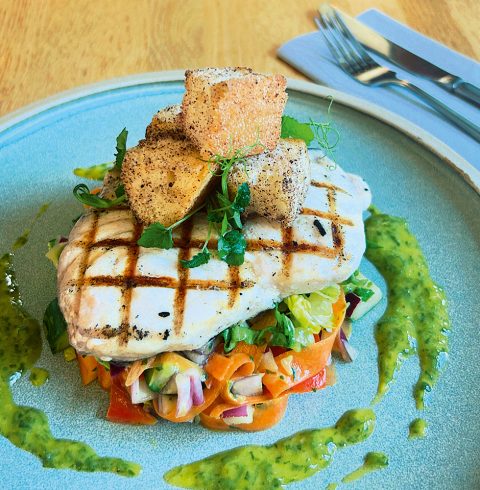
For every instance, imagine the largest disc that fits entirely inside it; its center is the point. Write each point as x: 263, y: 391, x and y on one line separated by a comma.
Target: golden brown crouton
x: 278, y: 180
x: 166, y: 122
x: 228, y: 109
x: 165, y: 180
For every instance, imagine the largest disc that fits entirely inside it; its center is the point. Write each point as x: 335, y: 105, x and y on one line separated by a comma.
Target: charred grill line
x: 84, y: 263
x: 287, y: 249
x: 337, y: 233
x: 330, y: 216
x: 234, y: 285
x: 326, y: 185
x: 164, y: 282
x: 183, y: 273
x: 128, y: 285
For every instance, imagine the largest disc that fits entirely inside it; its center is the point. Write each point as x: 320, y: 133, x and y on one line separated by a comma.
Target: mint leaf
x: 291, y: 128
x: 231, y: 247
x: 156, y: 236
x: 197, y: 260
x: 82, y: 194
x: 121, y: 148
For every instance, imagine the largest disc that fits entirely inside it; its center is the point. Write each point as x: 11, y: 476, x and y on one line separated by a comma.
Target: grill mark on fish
x: 125, y: 330
x: 326, y: 185
x: 183, y: 272
x: 288, y: 247
x: 337, y: 232
x: 234, y: 285
x: 330, y: 216
x: 84, y: 263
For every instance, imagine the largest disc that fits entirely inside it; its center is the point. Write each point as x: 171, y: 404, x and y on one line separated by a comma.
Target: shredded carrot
x: 265, y: 415
x: 218, y: 366
x: 104, y: 377
x: 296, y: 367
x: 88, y: 368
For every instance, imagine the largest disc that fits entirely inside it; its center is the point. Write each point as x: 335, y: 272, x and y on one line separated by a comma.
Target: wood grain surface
x: 53, y: 45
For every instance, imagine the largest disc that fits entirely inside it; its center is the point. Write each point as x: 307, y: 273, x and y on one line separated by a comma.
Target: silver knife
x: 411, y: 62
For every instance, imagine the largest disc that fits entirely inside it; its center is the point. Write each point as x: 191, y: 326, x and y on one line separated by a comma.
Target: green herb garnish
x: 324, y: 134
x: 197, y: 260
x: 82, y: 194
x: 121, y: 148
x: 281, y: 334
x: 291, y: 128
x: 55, y: 327
x: 158, y: 236
x: 95, y: 172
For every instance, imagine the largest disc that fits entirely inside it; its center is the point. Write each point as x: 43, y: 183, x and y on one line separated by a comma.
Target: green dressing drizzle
x: 417, y: 429
x: 288, y: 460
x: 372, y: 462
x: 27, y: 427
x: 416, y: 319
x: 38, y: 376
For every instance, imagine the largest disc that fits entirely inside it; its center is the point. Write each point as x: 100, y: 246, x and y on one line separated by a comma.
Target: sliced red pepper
x: 121, y: 408
x: 316, y: 382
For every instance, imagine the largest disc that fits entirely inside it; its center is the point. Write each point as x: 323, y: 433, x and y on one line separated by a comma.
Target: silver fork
x: 355, y: 60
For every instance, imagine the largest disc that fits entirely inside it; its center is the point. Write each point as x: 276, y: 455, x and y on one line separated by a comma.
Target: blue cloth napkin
x: 310, y: 55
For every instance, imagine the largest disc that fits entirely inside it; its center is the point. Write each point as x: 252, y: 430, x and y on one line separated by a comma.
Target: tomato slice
x: 121, y: 408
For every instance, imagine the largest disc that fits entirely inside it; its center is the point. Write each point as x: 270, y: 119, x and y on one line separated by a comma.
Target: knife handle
x: 456, y: 118
x: 467, y: 91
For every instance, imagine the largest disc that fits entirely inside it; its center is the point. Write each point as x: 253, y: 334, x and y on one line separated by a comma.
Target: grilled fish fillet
x: 126, y: 302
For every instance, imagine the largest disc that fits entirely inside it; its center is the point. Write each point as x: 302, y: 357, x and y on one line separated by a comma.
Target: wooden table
x: 53, y: 45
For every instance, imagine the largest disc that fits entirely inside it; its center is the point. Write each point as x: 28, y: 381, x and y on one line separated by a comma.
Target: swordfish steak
x: 126, y: 302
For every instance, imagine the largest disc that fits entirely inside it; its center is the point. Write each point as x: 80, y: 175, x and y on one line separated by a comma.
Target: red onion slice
x: 240, y: 411
x: 184, y: 400
x: 353, y: 301
x: 196, y: 389
x: 238, y: 415
x: 347, y: 352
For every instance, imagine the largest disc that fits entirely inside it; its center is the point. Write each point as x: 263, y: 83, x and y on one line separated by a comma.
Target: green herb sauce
x: 416, y: 319
x: 288, y: 460
x: 38, y: 376
x: 372, y: 462
x: 417, y: 429
x: 27, y: 427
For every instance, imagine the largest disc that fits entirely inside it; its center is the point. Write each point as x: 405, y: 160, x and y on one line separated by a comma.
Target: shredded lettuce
x: 358, y: 284
x: 296, y: 321
x: 55, y: 248
x: 314, y: 312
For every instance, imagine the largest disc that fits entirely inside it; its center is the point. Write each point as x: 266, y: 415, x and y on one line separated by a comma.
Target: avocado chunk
x: 157, y: 377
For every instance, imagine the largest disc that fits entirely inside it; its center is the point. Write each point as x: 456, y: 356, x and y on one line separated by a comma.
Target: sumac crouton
x: 228, y: 109
x: 278, y: 181
x: 166, y: 122
x: 165, y: 180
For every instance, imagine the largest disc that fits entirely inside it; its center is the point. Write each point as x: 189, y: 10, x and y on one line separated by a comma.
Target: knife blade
x: 410, y: 61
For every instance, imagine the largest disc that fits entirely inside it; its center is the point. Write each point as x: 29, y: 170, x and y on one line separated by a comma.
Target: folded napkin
x: 310, y: 55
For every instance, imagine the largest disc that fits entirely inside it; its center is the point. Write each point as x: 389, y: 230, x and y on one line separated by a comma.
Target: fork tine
x: 323, y: 28
x: 361, y: 51
x: 337, y: 45
x: 351, y: 55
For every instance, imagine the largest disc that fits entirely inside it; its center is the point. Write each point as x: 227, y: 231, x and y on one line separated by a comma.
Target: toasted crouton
x: 278, y: 181
x: 111, y: 181
x: 165, y: 180
x: 228, y: 109
x: 166, y: 122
